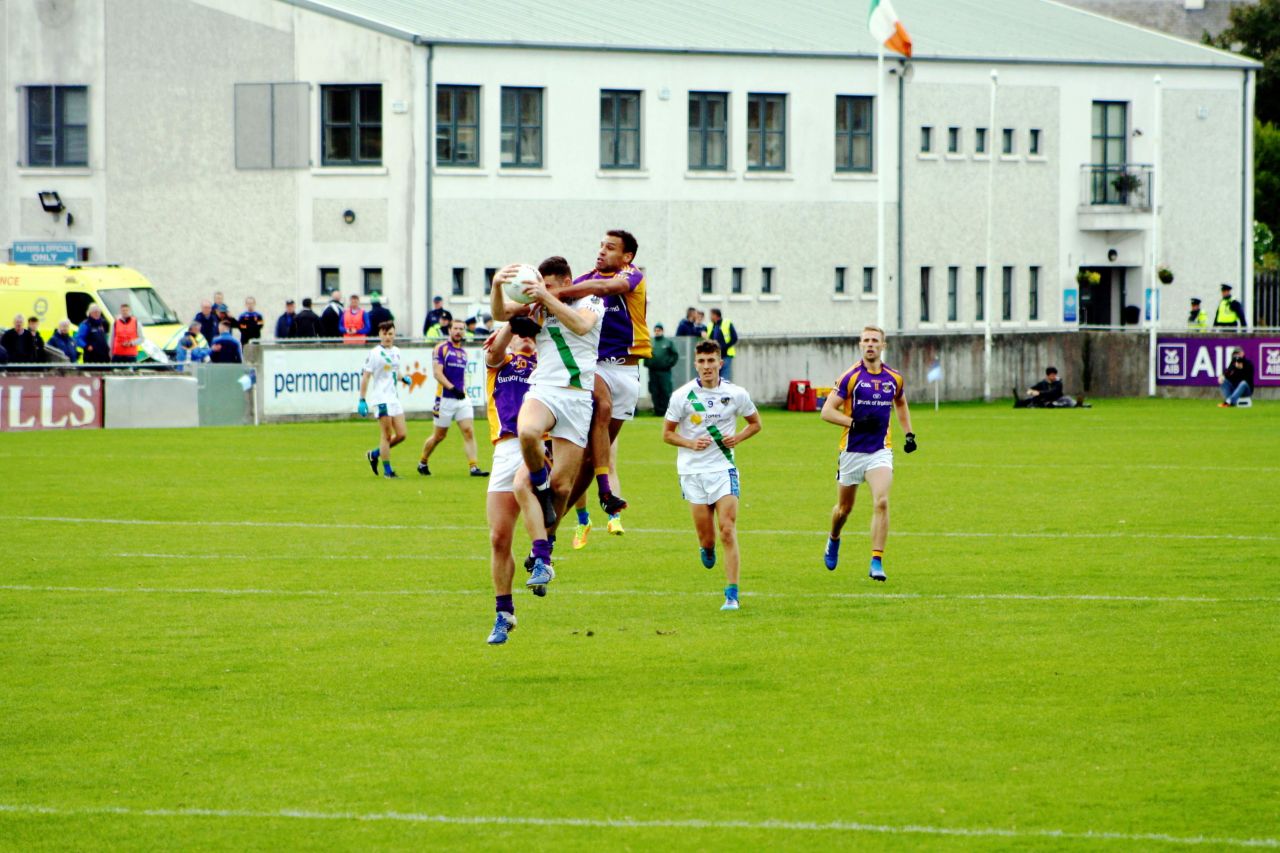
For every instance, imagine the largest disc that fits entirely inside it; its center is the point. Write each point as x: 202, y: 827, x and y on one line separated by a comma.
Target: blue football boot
x: 502, y: 626
x: 832, y: 555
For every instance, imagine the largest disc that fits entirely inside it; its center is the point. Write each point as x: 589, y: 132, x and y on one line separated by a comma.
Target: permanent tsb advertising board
x: 1200, y: 359
x: 326, y: 381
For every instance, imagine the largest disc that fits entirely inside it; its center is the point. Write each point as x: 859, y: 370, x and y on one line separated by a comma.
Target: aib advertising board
x: 54, y: 402
x: 327, y: 381
x: 1200, y: 360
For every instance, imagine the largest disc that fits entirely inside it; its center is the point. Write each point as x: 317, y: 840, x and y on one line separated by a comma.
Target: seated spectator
x: 92, y: 337
x: 1046, y: 394
x: 225, y: 349
x: 20, y: 343
x: 1236, y: 379
x: 192, y: 347
x: 63, y: 342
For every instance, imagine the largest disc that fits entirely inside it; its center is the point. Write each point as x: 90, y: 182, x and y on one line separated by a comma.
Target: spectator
x: 1236, y: 379
x: 193, y: 347
x: 433, y: 317
x: 284, y: 325
x: 19, y: 342
x: 207, y: 319
x: 4, y: 356
x: 355, y: 322
x: 219, y: 301
x: 126, y: 336
x: 723, y: 333
x: 664, y: 358
x: 62, y: 341
x: 484, y: 326
x: 306, y: 324
x: 1046, y: 394
x: 377, y: 313
x: 250, y: 322
x: 1230, y: 312
x: 223, y: 315
x: 225, y: 349
x: 1197, y: 319
x: 471, y: 329
x: 689, y: 326
x: 92, y: 336
x: 331, y: 319
x: 440, y: 331
x: 33, y: 326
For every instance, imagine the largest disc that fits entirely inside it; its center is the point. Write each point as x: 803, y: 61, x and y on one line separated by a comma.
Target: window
x: 853, y: 133
x: 708, y: 130
x: 1006, y: 295
x: 372, y: 280
x: 1110, y: 151
x: 980, y: 293
x: 953, y: 294
x: 708, y: 280
x: 78, y: 306
x: 1033, y: 294
x: 1033, y: 144
x: 953, y: 140
x: 272, y: 125
x: 458, y: 125
x: 924, y: 294
x: 839, y: 287
x: 868, y: 280
x: 489, y: 273
x: 619, y: 130
x: 980, y: 140
x: 766, y: 132
x: 459, y: 281
x: 352, y: 125
x: 766, y: 279
x: 57, y: 126
x: 1006, y: 143
x: 736, y: 284
x: 926, y: 139
x: 521, y: 131
x: 330, y: 280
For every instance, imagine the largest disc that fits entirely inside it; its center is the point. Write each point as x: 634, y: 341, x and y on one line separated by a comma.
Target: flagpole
x: 880, y: 170
x: 990, y: 277
x: 1153, y: 302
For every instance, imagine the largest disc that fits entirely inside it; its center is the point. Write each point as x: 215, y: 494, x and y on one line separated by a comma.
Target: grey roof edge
x: 1226, y: 59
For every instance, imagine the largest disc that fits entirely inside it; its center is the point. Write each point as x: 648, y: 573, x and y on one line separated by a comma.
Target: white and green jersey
x: 711, y: 412
x: 566, y: 360
x: 384, y: 365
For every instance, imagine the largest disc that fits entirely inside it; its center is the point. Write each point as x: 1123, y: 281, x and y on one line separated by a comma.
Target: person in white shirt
x: 558, y: 402
x: 702, y: 420
x: 379, y: 390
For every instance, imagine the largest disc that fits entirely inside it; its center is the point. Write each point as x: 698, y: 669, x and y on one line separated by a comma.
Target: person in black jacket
x: 20, y: 343
x: 1236, y: 379
x: 377, y: 313
x: 284, y: 323
x: 1230, y: 312
x: 1043, y: 394
x: 92, y: 337
x: 331, y: 317
x: 306, y: 324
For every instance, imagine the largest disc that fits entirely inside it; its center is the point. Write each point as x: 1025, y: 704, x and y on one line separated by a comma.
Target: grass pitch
x: 239, y: 638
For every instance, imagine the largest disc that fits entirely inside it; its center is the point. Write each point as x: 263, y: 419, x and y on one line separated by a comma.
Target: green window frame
x: 57, y: 126
x: 351, y: 119
x: 1007, y: 145
x: 1006, y: 295
x: 980, y: 293
x: 855, y: 117
x: 1033, y: 142
x: 330, y: 280
x: 708, y: 131
x: 926, y: 139
x: 979, y: 140
x: 868, y: 280
x: 708, y: 280
x: 766, y: 132
x: 953, y: 294
x: 735, y: 282
x: 766, y: 279
x: 926, y: 273
x: 1109, y: 150
x: 457, y: 125
x: 840, y: 277
x: 953, y: 140
x: 619, y: 129
x: 521, y: 131
x: 1033, y: 294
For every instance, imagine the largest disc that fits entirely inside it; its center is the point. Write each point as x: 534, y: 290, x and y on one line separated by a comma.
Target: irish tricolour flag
x: 886, y: 28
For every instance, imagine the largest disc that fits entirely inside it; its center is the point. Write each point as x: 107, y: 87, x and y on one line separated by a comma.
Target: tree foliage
x: 1255, y: 32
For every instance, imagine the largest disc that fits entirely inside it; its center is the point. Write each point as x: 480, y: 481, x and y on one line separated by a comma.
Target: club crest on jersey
x: 724, y: 401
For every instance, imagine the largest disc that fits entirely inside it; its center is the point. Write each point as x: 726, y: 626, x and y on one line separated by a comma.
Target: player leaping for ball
x: 558, y: 402
x: 702, y: 421
x: 860, y: 402
x: 378, y: 385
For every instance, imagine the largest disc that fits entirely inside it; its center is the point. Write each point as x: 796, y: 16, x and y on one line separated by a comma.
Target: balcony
x: 1115, y: 198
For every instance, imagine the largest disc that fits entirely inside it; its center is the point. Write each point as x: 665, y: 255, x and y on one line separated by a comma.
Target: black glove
x: 909, y: 446
x: 456, y: 393
x: 524, y: 326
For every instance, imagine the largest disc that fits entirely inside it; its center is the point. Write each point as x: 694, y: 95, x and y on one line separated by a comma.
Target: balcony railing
x: 1125, y: 186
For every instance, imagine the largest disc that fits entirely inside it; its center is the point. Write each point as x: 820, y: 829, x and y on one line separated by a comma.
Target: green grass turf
x: 356, y: 679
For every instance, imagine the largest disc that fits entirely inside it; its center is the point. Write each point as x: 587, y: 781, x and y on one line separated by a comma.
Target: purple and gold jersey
x: 454, y: 361
x: 507, y: 385
x: 868, y: 398
x: 625, y: 331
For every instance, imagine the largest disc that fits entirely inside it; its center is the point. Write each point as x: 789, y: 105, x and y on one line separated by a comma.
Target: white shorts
x: 853, y: 467
x: 447, y: 410
x: 507, y: 460
x: 570, y: 407
x: 624, y: 387
x: 390, y: 409
x: 709, y: 487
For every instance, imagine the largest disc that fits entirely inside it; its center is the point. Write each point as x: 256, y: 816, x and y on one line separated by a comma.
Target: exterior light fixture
x: 348, y: 216
x: 50, y: 201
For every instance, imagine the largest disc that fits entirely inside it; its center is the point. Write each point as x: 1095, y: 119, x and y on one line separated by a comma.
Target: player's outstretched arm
x: 498, y: 306
x: 495, y: 346
x: 579, y: 322
x: 753, y: 427
x: 602, y: 287
x: 831, y: 411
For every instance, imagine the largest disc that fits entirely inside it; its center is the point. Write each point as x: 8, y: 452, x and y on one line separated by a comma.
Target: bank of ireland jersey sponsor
x: 384, y: 365
x: 507, y: 387
x: 868, y: 400
x: 566, y: 360
x: 709, y: 412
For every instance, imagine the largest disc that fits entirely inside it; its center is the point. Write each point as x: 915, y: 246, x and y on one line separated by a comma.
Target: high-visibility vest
x: 353, y: 326
x: 124, y: 336
x: 1226, y: 314
x: 726, y: 329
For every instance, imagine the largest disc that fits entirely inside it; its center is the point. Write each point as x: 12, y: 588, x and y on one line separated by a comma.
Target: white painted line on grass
x: 665, y: 531
x: 847, y: 827
x: 643, y: 593
x: 438, y: 558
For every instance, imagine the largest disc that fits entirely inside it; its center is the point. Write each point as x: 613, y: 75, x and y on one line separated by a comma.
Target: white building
x: 275, y: 147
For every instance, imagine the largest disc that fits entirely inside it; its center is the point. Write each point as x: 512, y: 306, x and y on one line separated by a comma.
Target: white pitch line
x: 665, y: 531
x: 258, y: 557
x: 847, y: 827
x: 643, y: 593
